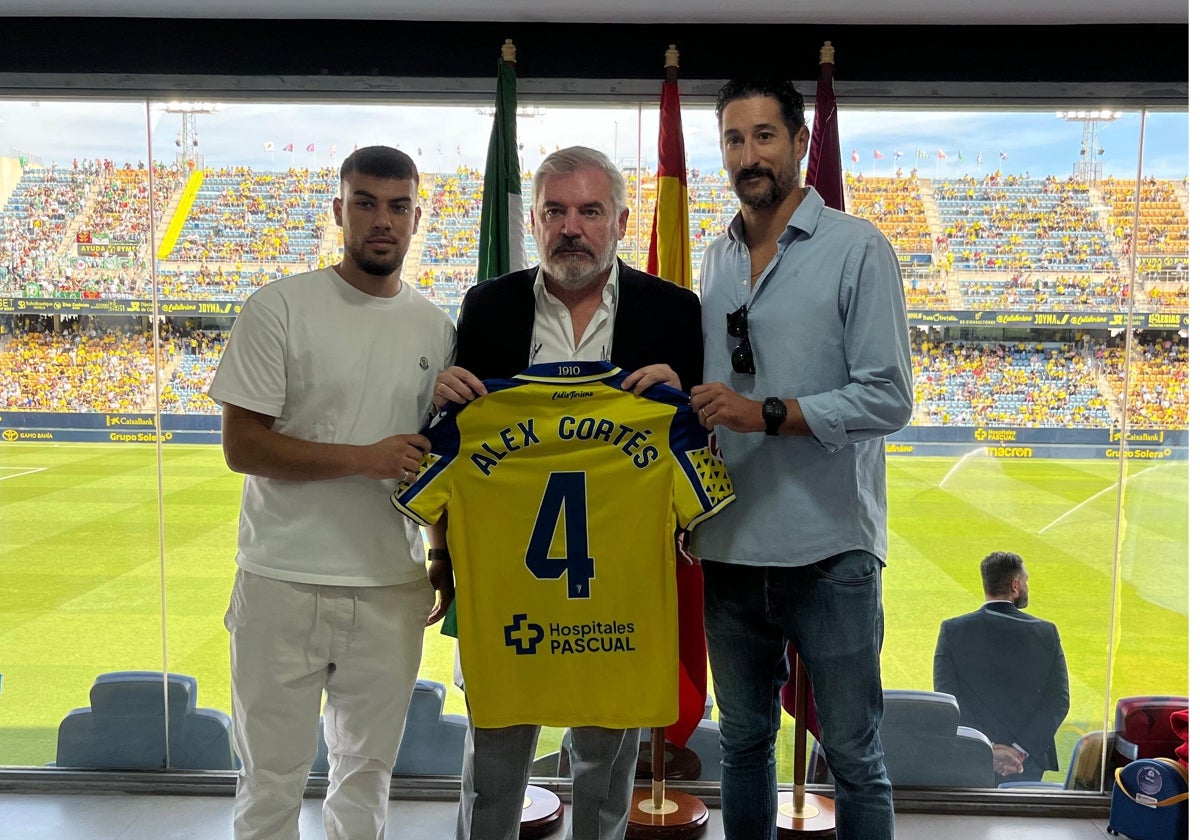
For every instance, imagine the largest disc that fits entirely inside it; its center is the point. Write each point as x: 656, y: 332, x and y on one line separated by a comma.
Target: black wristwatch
x: 774, y: 412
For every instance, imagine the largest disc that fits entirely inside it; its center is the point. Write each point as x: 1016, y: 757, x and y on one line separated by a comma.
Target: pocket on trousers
x: 237, y: 603
x: 850, y: 568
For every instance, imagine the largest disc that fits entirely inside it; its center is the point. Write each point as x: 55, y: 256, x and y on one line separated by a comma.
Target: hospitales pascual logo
x: 523, y: 635
x: 591, y: 637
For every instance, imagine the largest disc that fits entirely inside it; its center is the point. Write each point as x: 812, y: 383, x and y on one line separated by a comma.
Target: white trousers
x: 288, y: 643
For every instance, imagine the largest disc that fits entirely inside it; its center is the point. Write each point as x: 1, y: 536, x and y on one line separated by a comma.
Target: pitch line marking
x: 24, y: 471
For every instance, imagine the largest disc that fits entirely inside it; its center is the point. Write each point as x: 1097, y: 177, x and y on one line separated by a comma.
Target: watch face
x: 774, y: 412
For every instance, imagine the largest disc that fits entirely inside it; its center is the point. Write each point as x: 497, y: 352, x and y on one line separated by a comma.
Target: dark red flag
x: 825, y: 149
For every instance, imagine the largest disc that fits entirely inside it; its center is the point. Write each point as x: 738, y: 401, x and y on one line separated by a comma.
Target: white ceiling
x: 912, y: 12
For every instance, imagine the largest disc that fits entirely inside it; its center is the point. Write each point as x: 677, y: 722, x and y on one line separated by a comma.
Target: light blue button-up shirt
x: 828, y: 327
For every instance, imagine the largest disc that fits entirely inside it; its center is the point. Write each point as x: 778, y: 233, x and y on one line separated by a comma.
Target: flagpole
x: 653, y: 814
x: 801, y: 814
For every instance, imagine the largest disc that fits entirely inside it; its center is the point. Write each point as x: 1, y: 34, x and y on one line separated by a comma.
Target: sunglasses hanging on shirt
x: 737, y: 323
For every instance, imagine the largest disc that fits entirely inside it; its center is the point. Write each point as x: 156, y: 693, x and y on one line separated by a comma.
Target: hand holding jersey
x: 575, y: 487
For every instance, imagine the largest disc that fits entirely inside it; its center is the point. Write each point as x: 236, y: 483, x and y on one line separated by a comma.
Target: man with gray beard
x: 580, y: 304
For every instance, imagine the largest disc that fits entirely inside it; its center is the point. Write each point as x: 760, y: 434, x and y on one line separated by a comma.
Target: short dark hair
x: 381, y: 162
x: 791, y: 103
x: 998, y: 570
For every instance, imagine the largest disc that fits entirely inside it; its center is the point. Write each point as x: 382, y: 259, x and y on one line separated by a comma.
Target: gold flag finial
x: 826, y: 54
x: 509, y: 52
x: 672, y: 58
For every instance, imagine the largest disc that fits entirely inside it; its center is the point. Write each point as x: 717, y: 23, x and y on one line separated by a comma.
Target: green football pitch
x: 89, y: 578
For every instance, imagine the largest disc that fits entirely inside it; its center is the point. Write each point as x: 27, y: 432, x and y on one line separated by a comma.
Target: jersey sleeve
x: 428, y: 494
x: 702, y: 484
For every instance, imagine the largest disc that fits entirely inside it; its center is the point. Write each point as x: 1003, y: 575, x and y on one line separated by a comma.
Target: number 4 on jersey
x: 566, y: 495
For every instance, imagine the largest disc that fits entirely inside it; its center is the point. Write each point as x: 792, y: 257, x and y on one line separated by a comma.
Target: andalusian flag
x: 670, y: 254
x: 502, y: 227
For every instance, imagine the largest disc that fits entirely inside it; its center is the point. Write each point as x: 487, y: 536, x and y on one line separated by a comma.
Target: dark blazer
x: 656, y: 323
x: 1008, y: 671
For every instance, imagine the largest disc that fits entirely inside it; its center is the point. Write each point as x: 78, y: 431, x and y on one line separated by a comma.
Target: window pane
x: 1014, y: 235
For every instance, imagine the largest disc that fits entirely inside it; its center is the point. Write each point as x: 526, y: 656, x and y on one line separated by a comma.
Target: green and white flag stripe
x: 502, y: 226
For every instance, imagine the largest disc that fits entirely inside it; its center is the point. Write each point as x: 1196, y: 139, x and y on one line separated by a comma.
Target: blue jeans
x: 833, y: 612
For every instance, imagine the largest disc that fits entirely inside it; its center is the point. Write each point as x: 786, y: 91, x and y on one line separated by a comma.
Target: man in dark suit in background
x: 580, y: 304
x: 1008, y: 671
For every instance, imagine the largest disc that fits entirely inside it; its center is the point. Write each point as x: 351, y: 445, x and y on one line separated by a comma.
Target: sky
x: 442, y: 137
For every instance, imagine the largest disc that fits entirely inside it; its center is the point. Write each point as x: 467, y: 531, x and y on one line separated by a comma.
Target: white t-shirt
x: 332, y: 365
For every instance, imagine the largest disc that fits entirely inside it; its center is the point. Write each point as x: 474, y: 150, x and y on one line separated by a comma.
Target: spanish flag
x: 670, y: 254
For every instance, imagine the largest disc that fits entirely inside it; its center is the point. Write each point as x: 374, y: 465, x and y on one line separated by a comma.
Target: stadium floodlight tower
x: 188, y: 142
x: 1089, y: 167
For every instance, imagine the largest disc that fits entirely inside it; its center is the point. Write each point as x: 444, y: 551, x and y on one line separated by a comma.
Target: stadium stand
x: 990, y: 244
x: 1013, y: 223
x: 897, y: 208
x: 1158, y: 381
x: 993, y: 384
x: 243, y: 215
x: 97, y: 370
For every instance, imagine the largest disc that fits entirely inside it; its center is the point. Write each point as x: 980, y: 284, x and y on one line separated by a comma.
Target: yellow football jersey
x: 563, y: 493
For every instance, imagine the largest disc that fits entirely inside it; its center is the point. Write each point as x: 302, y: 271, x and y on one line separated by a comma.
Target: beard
x: 770, y: 195
x: 377, y: 266
x: 1022, y: 600
x: 573, y: 265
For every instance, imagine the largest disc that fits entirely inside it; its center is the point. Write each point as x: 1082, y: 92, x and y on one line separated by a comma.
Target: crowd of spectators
x: 896, y: 208
x: 1014, y: 222
x: 1044, y: 292
x: 1169, y: 297
x: 995, y: 384
x: 107, y: 368
x: 1158, y: 381
x: 249, y: 227
x: 245, y: 226
x: 120, y: 209
x: 198, y: 352
x: 245, y: 215
x: 34, y: 220
x: 1162, y: 220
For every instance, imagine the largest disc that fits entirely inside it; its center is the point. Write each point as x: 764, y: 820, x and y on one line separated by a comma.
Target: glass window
x: 1047, y: 292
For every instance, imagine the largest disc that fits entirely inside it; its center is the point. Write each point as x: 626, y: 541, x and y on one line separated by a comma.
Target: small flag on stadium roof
x: 922, y: 154
x: 941, y: 155
x: 268, y: 147
x: 669, y: 255
x: 289, y: 148
x: 979, y: 158
x: 332, y: 151
x: 502, y: 222
x: 854, y: 155
x: 878, y: 155
x: 1003, y: 156
x: 311, y: 147
x: 960, y: 157
x: 897, y: 154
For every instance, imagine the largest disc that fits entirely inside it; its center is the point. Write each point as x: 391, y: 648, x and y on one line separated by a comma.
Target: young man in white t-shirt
x: 324, y: 384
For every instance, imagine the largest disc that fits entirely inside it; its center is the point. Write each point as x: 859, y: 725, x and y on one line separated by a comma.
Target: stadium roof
x: 876, y: 12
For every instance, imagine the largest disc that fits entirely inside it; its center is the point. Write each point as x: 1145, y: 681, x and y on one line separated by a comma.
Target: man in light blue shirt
x: 806, y: 369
